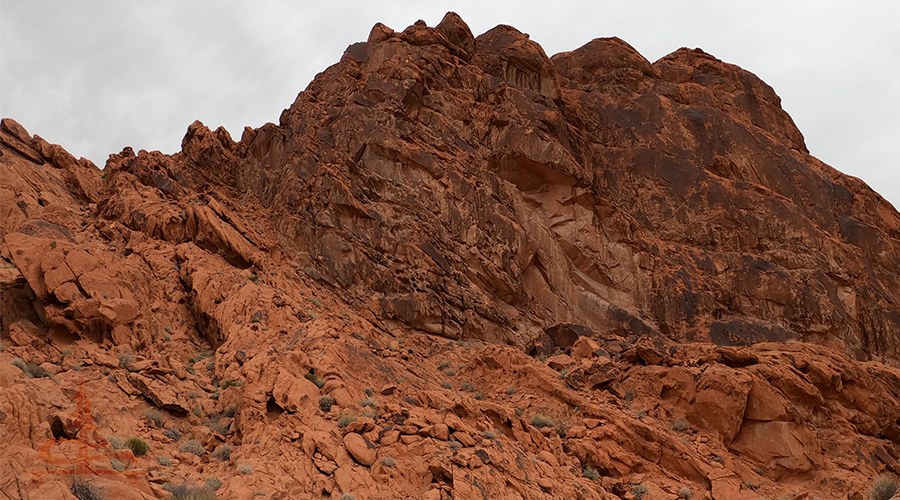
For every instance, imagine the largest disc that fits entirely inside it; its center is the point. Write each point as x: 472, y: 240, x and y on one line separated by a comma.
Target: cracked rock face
x: 361, y: 298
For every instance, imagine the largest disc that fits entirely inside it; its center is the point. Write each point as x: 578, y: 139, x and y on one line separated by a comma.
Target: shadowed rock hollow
x: 433, y: 217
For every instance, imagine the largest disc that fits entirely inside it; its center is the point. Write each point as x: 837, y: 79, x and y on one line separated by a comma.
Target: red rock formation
x: 722, y: 309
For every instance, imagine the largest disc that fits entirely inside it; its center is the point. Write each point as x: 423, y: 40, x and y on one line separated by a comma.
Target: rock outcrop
x: 457, y: 268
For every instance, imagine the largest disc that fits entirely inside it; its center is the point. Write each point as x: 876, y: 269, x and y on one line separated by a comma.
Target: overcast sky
x: 96, y: 76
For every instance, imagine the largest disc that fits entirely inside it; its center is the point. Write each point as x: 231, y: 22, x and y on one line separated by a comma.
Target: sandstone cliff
x: 458, y: 268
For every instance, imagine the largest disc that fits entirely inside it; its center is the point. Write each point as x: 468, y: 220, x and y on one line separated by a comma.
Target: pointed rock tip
x: 379, y: 33
x: 457, y: 32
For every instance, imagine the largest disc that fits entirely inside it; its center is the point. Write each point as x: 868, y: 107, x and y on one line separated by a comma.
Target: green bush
x: 137, y: 446
x: 541, y: 421
x: 884, y: 487
x: 84, y: 490
x: 227, y: 383
x: 510, y: 390
x: 164, y: 461
x: 590, y: 473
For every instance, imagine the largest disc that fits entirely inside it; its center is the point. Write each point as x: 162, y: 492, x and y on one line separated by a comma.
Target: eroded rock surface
x: 458, y: 268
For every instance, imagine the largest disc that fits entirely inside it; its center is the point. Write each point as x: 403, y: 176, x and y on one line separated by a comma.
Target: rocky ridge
x: 459, y: 268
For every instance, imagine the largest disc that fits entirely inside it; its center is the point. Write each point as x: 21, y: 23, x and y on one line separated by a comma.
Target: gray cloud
x: 96, y: 76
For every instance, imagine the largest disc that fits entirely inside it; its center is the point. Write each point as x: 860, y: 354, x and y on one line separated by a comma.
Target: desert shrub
x: 680, y: 425
x: 347, y: 496
x: 213, y: 483
x: 639, y: 490
x: 345, y: 420
x: 316, y: 380
x: 884, y: 487
x: 371, y: 403
x: 137, y: 446
x: 685, y: 493
x: 173, y: 434
x: 164, y: 461
x: 446, y: 385
x: 519, y: 412
x: 369, y: 392
x: 222, y: 453
x: 245, y: 469
x: 488, y: 435
x: 541, y: 421
x: 125, y: 359
x: 157, y: 417
x: 229, y: 412
x: 411, y: 400
x: 455, y: 445
x: 228, y: 383
x: 117, y: 464
x: 84, y: 490
x: 31, y: 369
x: 467, y: 387
x: 450, y: 373
x: 117, y: 443
x: 197, y: 411
x: 478, y: 396
x: 325, y: 403
x: 443, y: 366
x: 590, y: 473
x: 217, y: 427
x: 561, y: 429
x: 510, y: 390
x: 388, y: 462
x: 185, y: 492
x: 192, y: 446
